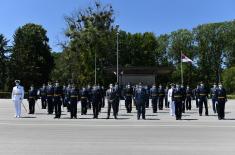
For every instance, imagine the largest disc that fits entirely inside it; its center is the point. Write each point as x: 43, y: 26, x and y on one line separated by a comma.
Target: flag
x: 185, y: 59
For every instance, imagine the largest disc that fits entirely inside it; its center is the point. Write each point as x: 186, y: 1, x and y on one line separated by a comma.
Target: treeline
x: 29, y: 59
x: 91, y: 33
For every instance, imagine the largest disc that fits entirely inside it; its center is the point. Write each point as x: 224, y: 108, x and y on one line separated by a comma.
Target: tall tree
x: 3, y: 60
x: 91, y: 35
x: 31, y: 59
x: 211, y: 40
x: 181, y: 41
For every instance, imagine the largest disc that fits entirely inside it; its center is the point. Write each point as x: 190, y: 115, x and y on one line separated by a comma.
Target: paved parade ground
x: 159, y: 134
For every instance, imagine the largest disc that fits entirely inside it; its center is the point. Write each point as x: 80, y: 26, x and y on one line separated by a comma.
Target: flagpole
x: 181, y: 68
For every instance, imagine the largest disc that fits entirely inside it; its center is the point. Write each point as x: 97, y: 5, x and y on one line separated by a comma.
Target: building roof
x: 142, y: 70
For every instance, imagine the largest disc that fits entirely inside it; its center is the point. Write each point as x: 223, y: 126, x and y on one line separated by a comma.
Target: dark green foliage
x: 4, y: 52
x: 31, y: 59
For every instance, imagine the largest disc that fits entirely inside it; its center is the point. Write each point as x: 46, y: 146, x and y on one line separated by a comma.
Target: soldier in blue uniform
x: 166, y: 97
x: 66, y: 97
x: 32, y: 99
x: 188, y: 98
x: 99, y: 97
x: 63, y: 96
x: 118, y: 94
x: 103, y: 93
x: 112, y: 98
x: 43, y: 96
x: 154, y: 97
x: 128, y: 93
x: 203, y: 95
x: 140, y: 94
x: 58, y: 92
x: 183, y: 90
x: 177, y: 99
x: 84, y: 100
x: 73, y: 98
x: 50, y: 94
x: 95, y: 101
x: 196, y: 95
x: 221, y: 98
x: 161, y: 95
x: 147, y: 96
x: 213, y: 99
x: 134, y: 90
x: 89, y: 90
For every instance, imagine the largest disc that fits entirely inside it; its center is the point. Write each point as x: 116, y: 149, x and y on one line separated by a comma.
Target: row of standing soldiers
x: 54, y: 97
x: 176, y: 97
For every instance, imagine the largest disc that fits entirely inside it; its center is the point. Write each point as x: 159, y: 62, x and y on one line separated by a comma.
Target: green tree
x: 31, y: 59
x: 162, y: 51
x: 229, y: 79
x: 182, y: 41
x: 91, y: 34
x: 4, y: 51
x: 211, y: 40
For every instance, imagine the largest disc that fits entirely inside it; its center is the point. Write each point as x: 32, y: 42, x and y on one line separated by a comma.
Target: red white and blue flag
x: 185, y: 59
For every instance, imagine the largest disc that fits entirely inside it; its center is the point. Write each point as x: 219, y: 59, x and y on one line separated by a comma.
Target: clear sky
x: 158, y: 16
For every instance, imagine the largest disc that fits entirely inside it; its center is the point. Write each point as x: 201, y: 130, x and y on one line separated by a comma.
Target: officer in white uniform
x: 17, y: 97
x: 171, y: 103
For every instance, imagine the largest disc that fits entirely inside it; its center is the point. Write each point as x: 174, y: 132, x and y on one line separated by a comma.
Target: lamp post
x: 95, y: 67
x: 117, y: 53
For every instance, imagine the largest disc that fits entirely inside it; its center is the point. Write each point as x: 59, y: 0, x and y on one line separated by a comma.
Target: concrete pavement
x: 160, y: 134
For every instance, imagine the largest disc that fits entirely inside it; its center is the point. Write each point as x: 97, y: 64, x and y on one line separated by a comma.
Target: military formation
x: 174, y: 97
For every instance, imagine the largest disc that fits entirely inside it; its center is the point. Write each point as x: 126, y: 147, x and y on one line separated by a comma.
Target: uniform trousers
x: 128, y: 104
x: 17, y: 104
x: 201, y: 102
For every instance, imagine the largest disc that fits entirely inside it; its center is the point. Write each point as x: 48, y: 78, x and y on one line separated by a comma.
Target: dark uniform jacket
x: 140, y: 95
x: 58, y: 92
x: 161, y: 93
x: 212, y: 93
x: 220, y: 95
x: 95, y: 94
x: 43, y: 92
x: 84, y: 94
x: 153, y: 93
x: 189, y: 93
x: 32, y: 95
x: 128, y: 92
x: 73, y: 94
x: 203, y: 93
x: 112, y: 95
x: 177, y: 95
x: 50, y: 91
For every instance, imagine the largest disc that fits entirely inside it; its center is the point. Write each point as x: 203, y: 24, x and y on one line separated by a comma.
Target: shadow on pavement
x: 163, y: 112
x: 125, y: 115
x: 152, y: 119
x: 28, y: 117
x: 189, y: 119
x: 229, y: 119
x: 150, y: 115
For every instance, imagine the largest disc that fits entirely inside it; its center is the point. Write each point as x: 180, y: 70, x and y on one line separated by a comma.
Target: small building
x: 147, y: 75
